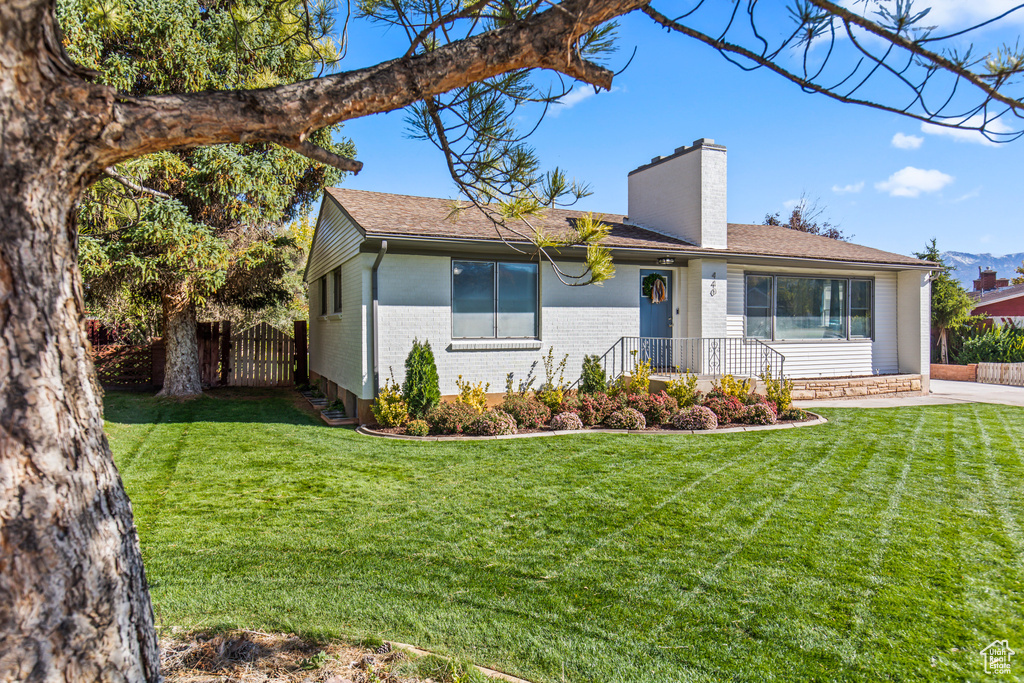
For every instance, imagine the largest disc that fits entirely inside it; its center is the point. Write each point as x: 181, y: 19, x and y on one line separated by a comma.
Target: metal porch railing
x: 737, y: 356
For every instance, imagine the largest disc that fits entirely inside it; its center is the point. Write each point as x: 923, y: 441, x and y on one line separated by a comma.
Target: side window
x: 336, y: 276
x: 323, y: 295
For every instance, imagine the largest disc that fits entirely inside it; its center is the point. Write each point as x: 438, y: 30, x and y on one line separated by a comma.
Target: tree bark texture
x: 181, y: 364
x: 74, y: 605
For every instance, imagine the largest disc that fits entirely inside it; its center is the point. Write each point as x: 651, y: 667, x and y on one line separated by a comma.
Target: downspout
x: 375, y: 348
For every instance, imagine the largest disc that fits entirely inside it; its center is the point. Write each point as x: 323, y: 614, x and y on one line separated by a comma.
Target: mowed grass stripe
x: 272, y: 521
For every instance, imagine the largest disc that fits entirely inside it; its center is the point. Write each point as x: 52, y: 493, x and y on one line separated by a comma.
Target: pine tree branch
x: 321, y: 155
x: 136, y: 126
x: 132, y: 185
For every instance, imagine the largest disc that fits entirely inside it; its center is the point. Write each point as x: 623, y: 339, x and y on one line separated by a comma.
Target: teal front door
x: 656, y: 318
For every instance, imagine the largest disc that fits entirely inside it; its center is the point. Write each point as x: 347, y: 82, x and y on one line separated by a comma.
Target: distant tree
x: 1019, y: 280
x: 806, y: 216
x: 951, y: 305
x: 170, y: 234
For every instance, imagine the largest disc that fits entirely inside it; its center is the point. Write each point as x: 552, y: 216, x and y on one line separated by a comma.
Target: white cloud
x: 578, y: 94
x: 848, y: 189
x: 911, y: 182
x: 960, y: 135
x: 963, y: 13
x: 901, y: 141
x: 976, y: 192
x: 790, y: 204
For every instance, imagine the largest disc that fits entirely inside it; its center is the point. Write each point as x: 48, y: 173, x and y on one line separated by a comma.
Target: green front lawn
x: 885, y: 545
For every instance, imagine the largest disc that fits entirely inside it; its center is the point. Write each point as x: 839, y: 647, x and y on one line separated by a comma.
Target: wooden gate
x: 262, y: 356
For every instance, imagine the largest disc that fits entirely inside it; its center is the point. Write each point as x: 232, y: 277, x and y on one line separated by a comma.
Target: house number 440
x: 714, y: 283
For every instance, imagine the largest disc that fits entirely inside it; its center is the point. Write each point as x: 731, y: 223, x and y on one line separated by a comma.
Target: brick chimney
x: 987, y: 281
x: 683, y: 194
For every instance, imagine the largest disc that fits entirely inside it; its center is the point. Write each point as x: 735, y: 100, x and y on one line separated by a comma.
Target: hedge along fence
x: 1001, y: 373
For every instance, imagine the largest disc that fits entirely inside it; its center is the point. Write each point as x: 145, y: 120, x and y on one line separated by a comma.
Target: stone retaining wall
x: 877, y: 386
x: 957, y: 373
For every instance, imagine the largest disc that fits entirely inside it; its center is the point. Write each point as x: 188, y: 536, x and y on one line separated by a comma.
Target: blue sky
x: 880, y: 176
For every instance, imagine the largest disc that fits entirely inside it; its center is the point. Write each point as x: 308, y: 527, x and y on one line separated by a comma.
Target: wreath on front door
x: 654, y: 287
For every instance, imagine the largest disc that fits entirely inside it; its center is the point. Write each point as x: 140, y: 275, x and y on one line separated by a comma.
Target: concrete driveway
x: 943, y: 392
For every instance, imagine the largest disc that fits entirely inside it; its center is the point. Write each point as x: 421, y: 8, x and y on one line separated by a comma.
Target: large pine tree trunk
x: 181, y: 367
x: 74, y: 605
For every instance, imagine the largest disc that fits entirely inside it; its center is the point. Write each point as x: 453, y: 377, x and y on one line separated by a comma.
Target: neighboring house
x: 385, y: 269
x: 998, y: 300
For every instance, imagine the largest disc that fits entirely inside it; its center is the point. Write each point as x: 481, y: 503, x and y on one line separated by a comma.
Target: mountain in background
x: 965, y: 266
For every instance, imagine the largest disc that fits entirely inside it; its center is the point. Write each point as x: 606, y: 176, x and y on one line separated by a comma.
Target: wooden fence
x: 257, y: 357
x: 1001, y: 373
x: 262, y: 356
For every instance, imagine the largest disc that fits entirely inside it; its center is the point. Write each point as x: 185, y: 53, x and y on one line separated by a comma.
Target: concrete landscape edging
x: 816, y: 420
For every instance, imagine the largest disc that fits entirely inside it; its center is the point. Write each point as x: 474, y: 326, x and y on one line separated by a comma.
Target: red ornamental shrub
x: 592, y: 408
x: 450, y: 418
x: 492, y: 423
x: 759, y: 414
x: 627, y: 418
x: 657, y: 409
x: 726, y: 408
x: 566, y: 421
x: 696, y: 417
x: 528, y: 412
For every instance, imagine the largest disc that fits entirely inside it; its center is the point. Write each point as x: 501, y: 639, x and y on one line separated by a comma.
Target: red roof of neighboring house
x: 1003, y: 301
x: 394, y: 215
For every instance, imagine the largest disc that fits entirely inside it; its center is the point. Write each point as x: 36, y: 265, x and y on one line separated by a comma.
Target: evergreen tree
x: 421, y: 389
x: 951, y: 305
x: 166, y: 235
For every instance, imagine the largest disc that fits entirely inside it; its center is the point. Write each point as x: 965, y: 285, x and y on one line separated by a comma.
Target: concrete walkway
x: 943, y: 392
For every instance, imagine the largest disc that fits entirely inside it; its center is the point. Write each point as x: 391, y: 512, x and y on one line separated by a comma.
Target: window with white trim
x: 796, y: 307
x: 336, y: 280
x: 492, y: 299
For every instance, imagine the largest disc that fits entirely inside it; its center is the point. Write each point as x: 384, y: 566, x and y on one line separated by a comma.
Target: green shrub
x: 794, y: 414
x: 421, y: 390
x: 777, y: 391
x: 639, y: 382
x: 388, y: 408
x: 593, y: 379
x: 527, y: 411
x: 1003, y: 344
x: 566, y: 421
x: 695, y: 417
x: 473, y: 395
x: 551, y: 371
x: 552, y: 398
x: 417, y: 428
x: 727, y: 385
x: 492, y: 423
x: 684, y: 390
x: 450, y: 418
x: 627, y: 418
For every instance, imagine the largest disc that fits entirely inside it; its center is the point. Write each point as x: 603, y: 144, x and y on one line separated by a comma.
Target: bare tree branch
x: 321, y: 155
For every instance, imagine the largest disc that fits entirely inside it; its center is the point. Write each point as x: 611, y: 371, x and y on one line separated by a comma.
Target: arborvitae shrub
x: 421, y: 389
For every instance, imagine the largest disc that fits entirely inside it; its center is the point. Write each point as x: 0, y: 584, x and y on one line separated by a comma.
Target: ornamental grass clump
x: 389, y: 409
x: 758, y: 414
x: 492, y: 423
x: 695, y: 417
x: 528, y: 412
x: 450, y: 418
x: 417, y: 428
x: 627, y: 418
x: 566, y: 421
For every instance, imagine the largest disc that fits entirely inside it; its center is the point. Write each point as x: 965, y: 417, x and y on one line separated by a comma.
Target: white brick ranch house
x: 384, y: 269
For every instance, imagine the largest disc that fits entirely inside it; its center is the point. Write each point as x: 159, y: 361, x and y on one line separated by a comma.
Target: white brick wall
x: 683, y: 195
x: 415, y: 301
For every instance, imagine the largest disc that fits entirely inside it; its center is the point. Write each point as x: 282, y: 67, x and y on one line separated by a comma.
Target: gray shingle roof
x: 393, y: 215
